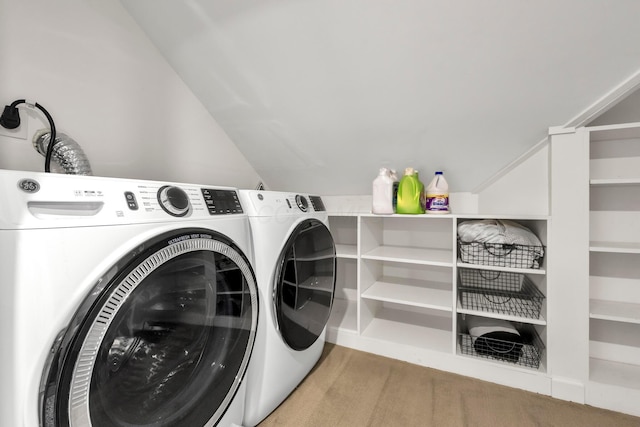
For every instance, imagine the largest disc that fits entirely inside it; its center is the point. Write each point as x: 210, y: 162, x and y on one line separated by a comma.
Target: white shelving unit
x: 397, y: 293
x: 405, y: 276
x: 399, y: 290
x: 614, y: 267
x: 344, y: 310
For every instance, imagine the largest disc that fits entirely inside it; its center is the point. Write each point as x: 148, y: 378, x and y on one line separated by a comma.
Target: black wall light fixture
x: 10, y: 119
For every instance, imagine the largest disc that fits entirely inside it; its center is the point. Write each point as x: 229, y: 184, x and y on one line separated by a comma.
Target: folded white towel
x: 497, y: 231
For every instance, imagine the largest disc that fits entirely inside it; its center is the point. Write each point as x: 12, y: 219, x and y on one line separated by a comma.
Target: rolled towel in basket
x: 495, y: 337
x: 499, y: 242
x: 497, y: 231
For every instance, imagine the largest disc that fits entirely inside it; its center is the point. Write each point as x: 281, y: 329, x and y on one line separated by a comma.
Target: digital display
x: 221, y: 202
x: 317, y: 203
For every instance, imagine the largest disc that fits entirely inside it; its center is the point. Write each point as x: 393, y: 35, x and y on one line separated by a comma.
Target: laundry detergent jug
x: 410, y: 193
x: 383, y: 193
x: 438, y: 195
x: 396, y: 182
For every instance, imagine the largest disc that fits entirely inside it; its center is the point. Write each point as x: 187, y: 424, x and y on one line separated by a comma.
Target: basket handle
x: 463, y: 247
x: 496, y: 302
x: 513, y: 347
x: 505, y: 246
x: 485, y: 274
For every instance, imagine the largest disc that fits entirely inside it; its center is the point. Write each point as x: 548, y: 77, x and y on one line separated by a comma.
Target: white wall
x: 107, y: 87
x: 626, y: 111
x: 319, y: 94
x: 523, y: 189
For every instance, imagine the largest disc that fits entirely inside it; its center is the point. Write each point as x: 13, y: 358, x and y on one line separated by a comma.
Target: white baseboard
x: 567, y: 389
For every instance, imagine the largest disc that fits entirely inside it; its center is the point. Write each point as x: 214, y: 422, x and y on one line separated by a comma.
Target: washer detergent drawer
x: 49, y: 210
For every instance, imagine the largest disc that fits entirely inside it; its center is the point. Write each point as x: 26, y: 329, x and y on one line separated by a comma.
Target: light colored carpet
x: 351, y: 388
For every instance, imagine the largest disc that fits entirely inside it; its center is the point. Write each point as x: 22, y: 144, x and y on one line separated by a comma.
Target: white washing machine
x: 295, y: 262
x: 125, y: 303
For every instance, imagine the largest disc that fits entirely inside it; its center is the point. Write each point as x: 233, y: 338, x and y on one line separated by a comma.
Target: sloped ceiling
x: 318, y: 94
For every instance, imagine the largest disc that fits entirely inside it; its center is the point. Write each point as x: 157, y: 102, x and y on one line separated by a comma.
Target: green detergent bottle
x: 410, y: 193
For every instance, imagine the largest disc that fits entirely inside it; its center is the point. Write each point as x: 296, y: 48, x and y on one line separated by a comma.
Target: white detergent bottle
x: 438, y: 195
x: 394, y: 177
x: 382, y: 193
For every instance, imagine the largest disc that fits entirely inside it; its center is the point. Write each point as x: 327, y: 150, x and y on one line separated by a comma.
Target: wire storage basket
x: 491, y: 279
x: 528, y: 352
x: 501, y: 254
x: 500, y: 292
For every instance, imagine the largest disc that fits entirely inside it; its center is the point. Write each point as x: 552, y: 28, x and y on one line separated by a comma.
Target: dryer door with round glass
x: 305, y: 284
x: 164, y: 339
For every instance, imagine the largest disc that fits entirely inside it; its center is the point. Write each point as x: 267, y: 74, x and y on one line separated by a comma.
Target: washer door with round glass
x: 163, y: 340
x: 304, y: 284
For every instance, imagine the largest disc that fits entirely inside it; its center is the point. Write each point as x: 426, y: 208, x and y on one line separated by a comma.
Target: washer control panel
x: 40, y: 200
x: 182, y: 201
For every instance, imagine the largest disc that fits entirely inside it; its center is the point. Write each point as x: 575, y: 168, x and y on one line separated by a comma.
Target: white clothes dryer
x: 125, y: 303
x: 295, y: 262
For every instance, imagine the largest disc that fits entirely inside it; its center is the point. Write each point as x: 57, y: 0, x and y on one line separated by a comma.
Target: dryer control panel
x: 275, y: 203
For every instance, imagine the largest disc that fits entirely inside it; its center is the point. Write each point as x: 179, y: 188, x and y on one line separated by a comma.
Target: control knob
x: 173, y: 200
x: 302, y: 203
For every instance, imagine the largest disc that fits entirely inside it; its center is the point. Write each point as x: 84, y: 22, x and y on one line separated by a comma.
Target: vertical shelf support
x: 568, y: 271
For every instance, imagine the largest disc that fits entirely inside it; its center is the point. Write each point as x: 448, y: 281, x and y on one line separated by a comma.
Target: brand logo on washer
x: 29, y: 185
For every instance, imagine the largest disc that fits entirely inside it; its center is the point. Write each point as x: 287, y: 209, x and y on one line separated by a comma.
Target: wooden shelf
x: 433, y: 295
x: 614, y: 373
x: 615, y: 181
x: 346, y: 251
x: 502, y: 216
x: 344, y: 315
x: 615, y: 247
x: 614, y: 311
x: 539, y: 321
x: 412, y: 216
x: 614, y: 132
x: 411, y: 329
x: 437, y: 257
x: 540, y: 271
